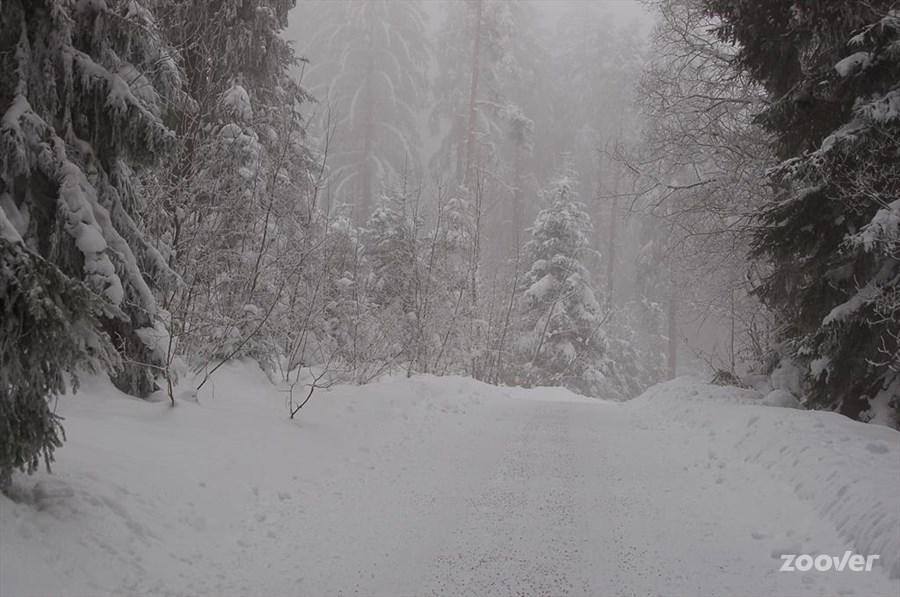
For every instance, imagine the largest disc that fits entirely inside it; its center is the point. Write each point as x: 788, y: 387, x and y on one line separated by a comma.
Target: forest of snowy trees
x: 350, y: 188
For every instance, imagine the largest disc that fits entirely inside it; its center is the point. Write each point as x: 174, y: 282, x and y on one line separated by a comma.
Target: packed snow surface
x: 445, y: 486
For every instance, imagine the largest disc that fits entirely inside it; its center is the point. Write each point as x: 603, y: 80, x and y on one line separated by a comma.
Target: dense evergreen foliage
x: 86, y: 88
x: 563, y: 340
x: 830, y: 236
x: 49, y: 328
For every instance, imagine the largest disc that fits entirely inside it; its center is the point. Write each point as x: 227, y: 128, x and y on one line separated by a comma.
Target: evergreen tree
x: 84, y: 93
x: 561, y: 336
x: 85, y: 90
x: 236, y: 187
x: 392, y: 256
x: 451, y: 282
x: 391, y: 251
x: 368, y: 63
x: 829, y: 236
x: 346, y: 302
x: 479, y: 54
x: 49, y: 329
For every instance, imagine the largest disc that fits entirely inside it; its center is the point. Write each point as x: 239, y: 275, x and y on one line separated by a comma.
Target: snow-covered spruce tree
x: 234, y: 192
x: 216, y: 253
x: 561, y: 340
x: 450, y: 285
x: 830, y: 235
x: 49, y: 329
x: 84, y: 91
x: 344, y: 300
x: 392, y: 253
x: 368, y: 66
x: 486, y: 54
x: 477, y: 59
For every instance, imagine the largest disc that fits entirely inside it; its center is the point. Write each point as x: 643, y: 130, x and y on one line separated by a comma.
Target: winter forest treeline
x: 348, y: 188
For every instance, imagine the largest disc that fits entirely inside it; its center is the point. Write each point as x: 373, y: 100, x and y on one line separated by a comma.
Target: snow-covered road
x: 415, y: 487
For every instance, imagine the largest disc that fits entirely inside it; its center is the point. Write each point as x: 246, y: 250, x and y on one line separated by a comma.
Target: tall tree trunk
x: 611, y: 251
x: 673, y: 335
x: 733, y: 326
x: 473, y: 92
x: 364, y: 209
x: 517, y: 201
x: 612, y: 226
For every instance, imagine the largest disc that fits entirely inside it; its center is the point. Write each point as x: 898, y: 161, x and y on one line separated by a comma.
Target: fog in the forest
x: 449, y: 297
x: 559, y: 93
x: 600, y: 195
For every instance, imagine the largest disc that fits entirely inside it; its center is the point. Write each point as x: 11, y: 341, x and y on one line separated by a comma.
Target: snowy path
x: 421, y: 488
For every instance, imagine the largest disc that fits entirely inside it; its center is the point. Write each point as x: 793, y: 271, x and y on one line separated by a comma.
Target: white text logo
x: 853, y: 562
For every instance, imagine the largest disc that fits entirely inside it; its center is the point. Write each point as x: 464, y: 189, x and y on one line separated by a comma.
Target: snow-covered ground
x: 445, y: 486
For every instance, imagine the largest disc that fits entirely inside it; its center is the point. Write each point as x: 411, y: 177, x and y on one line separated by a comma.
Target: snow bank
x: 145, y: 497
x: 442, y: 486
x: 845, y: 469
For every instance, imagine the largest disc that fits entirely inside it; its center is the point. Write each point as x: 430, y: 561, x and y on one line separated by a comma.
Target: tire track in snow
x: 519, y: 535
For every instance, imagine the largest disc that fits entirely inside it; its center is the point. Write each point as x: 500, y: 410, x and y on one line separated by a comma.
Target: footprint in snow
x: 877, y: 448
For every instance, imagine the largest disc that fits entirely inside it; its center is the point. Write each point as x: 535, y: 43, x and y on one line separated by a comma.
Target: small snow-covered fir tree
x: 391, y: 253
x: 451, y: 282
x: 345, y: 302
x: 561, y: 336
